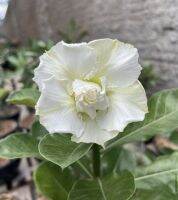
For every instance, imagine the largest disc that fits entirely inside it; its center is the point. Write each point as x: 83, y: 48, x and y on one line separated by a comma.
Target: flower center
x: 89, y: 97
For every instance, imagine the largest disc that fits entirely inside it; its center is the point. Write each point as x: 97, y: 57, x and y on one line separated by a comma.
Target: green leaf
x: 113, y: 187
x: 52, y: 182
x: 83, y: 168
x: 3, y: 93
x: 162, y: 118
x: 38, y: 131
x: 118, y: 159
x: 159, y: 180
x: 60, y: 150
x: 127, y: 157
x: 163, y: 170
x: 174, y: 136
x: 28, y: 97
x: 19, y: 145
x: 160, y: 193
x: 148, y: 78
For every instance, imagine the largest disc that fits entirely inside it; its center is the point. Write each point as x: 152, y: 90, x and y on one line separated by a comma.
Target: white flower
x: 90, y: 89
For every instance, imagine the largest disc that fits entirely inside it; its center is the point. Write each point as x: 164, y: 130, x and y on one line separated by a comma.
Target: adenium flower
x: 90, y: 89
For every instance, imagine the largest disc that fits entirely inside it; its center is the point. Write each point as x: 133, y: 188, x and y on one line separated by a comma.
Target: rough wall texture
x: 152, y: 26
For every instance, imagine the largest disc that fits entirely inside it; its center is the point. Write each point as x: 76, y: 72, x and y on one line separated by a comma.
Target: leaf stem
x: 96, y: 160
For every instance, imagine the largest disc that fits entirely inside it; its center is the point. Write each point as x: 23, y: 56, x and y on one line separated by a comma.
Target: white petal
x: 123, y: 66
x: 104, y: 49
x: 94, y: 134
x: 66, y: 62
x: 126, y: 105
x: 56, y: 109
x: 80, y: 59
x: 63, y: 121
x: 118, y: 62
x: 50, y: 65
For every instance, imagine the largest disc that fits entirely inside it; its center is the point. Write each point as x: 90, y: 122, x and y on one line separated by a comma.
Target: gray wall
x: 151, y: 25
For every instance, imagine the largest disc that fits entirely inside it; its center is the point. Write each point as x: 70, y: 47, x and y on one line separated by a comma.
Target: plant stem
x: 96, y: 160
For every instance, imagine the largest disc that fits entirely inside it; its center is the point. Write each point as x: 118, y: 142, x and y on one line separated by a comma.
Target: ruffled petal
x: 50, y: 65
x: 56, y: 109
x: 94, y: 134
x: 126, y: 105
x: 104, y: 49
x: 66, y: 62
x: 118, y: 62
x: 80, y: 60
x: 123, y: 67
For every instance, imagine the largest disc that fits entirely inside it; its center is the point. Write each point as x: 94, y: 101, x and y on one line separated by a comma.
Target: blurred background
x: 28, y: 28
x: 152, y: 26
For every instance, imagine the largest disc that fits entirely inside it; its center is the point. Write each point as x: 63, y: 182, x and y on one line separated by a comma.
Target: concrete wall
x: 151, y: 25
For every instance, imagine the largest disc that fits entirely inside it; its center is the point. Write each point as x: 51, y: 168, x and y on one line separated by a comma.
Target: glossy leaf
x: 162, y: 118
x: 113, y: 187
x: 60, y: 150
x: 19, y: 145
x: 28, y: 97
x: 52, y: 182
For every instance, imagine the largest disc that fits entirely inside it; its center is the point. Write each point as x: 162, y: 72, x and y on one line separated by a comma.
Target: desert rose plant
x: 91, y: 110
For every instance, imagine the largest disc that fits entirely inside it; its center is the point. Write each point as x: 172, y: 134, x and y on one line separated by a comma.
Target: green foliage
x: 60, y: 150
x: 17, y: 61
x: 111, y: 187
x: 174, y: 136
x: 27, y: 96
x: 127, y: 157
x: 150, y: 177
x: 161, y: 193
x: 52, y: 182
x: 19, y: 145
x: 83, y: 167
x: 162, y: 118
x: 148, y: 78
x: 158, y: 180
x: 39, y: 46
x: 3, y: 93
x: 38, y: 131
x: 163, y: 171
x: 74, y: 33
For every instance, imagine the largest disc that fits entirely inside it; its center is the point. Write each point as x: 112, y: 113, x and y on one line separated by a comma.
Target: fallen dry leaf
x: 163, y: 142
x: 7, y: 126
x: 8, y: 111
x: 3, y: 162
x: 27, y: 121
x: 7, y: 197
